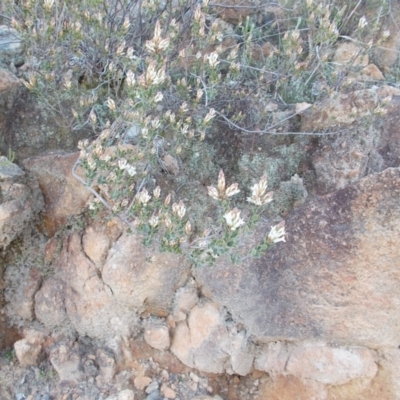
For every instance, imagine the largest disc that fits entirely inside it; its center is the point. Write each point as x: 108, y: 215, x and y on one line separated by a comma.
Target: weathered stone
x: 348, y: 53
x: 156, y: 335
x: 168, y: 392
x: 370, y: 145
x: 49, y: 303
x: 335, y: 278
x: 64, y: 195
x: 26, y: 353
x: 141, y: 382
x: 331, y: 366
x: 20, y: 296
x: 107, y: 365
x: 372, y: 72
x: 171, y: 164
x: 324, y: 364
x: 205, y: 342
x: 66, y: 360
x: 96, y: 244
x: 10, y: 41
x: 146, y: 285
x: 8, y: 170
x: 19, y: 204
x: 185, y: 299
x: 288, y: 387
x: 7, y: 80
x: 29, y: 348
x: 126, y: 394
x: 106, y: 304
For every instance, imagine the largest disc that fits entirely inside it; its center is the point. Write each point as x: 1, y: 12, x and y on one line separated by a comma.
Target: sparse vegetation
x: 157, y: 82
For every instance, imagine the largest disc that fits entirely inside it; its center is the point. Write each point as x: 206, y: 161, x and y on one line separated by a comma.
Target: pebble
x: 152, y: 387
x: 194, y: 377
x: 141, y: 382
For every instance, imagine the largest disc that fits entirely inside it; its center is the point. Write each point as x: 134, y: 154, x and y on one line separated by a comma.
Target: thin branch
x: 268, y: 130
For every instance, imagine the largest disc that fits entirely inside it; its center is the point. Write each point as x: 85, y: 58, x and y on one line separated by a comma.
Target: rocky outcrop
x: 64, y: 195
x: 20, y: 201
x: 365, y: 137
x: 107, y: 301
x: 335, y: 278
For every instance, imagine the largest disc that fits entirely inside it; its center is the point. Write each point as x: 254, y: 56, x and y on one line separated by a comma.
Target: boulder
x: 20, y: 201
x: 363, y: 142
x: 106, y: 302
x: 64, y: 195
x: 10, y: 43
x: 335, y: 279
x: 66, y: 360
x: 156, y: 335
x: 329, y: 365
x: 207, y: 343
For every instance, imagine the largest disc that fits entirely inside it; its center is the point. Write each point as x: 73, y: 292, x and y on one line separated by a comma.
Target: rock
x: 369, y: 146
x: 288, y: 387
x: 319, y: 362
x: 341, y: 109
x: 300, y: 107
x: 106, y: 364
x: 141, y: 382
x: 206, y: 343
x: 185, y: 299
x: 26, y: 353
x: 348, y: 53
x: 8, y: 81
x: 152, y: 387
x: 126, y: 394
x: 154, y: 281
x: 105, y: 303
x: 335, y: 279
x: 168, y: 392
x: 372, y: 72
x: 171, y: 164
x: 25, y: 283
x: 64, y: 195
x: 19, y: 204
x: 96, y: 244
x: 10, y: 42
x: 156, y: 335
x: 49, y: 303
x: 8, y: 170
x: 66, y: 360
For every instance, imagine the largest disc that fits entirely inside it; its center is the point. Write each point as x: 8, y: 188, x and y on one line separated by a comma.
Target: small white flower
x: 130, y: 169
x: 212, y: 59
x: 233, y: 219
x: 122, y: 163
x: 210, y: 115
x: 153, y: 221
x: 48, y: 4
x: 188, y: 228
x: 179, y: 209
x: 111, y: 104
x: 221, y: 192
x: 130, y: 78
x: 159, y: 97
x: 277, y: 233
x: 258, y: 196
x: 199, y: 94
x: 143, y: 196
x: 157, y: 192
x: 167, y: 200
x: 362, y: 23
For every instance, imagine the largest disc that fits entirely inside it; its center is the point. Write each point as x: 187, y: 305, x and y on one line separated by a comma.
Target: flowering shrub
x: 155, y: 80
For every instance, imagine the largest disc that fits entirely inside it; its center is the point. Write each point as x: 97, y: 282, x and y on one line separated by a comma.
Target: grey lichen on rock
x: 8, y: 170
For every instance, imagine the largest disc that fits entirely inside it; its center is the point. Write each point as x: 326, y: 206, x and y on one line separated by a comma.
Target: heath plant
x: 155, y: 81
